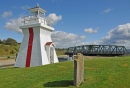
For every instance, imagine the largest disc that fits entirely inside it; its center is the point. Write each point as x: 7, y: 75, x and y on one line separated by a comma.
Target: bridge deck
x: 111, y: 50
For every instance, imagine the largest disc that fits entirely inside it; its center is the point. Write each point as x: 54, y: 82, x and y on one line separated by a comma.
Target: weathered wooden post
x: 78, y: 69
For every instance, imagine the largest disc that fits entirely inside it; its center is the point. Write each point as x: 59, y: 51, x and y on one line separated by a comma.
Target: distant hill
x: 10, y: 46
x: 13, y: 50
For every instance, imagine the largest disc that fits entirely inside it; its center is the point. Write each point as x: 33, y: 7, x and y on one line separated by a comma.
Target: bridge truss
x: 90, y: 50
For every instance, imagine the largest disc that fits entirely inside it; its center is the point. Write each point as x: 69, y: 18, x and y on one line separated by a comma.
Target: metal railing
x: 29, y: 19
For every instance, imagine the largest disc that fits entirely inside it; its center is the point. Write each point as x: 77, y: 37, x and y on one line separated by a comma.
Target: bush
x: 8, y: 56
x: 12, y: 52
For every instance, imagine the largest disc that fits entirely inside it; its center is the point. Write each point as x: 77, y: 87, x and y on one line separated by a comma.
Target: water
x: 61, y: 59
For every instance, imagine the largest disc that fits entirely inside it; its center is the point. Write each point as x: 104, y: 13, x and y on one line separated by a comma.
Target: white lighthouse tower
x: 37, y: 47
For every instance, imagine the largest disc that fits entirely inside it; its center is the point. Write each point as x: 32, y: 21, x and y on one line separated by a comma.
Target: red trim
x: 48, y: 43
x: 29, y: 51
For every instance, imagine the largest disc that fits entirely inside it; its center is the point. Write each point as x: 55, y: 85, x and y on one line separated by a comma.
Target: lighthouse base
x: 48, y: 56
x: 34, y: 50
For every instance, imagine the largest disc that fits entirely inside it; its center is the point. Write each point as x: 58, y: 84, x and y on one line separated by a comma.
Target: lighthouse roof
x: 48, y: 43
x: 37, y: 8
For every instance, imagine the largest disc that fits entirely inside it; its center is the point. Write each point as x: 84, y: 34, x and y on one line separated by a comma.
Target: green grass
x: 99, y: 73
x: 108, y: 73
x: 60, y: 51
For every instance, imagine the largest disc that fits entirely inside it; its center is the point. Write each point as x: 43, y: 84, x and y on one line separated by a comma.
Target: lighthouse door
x: 51, y: 55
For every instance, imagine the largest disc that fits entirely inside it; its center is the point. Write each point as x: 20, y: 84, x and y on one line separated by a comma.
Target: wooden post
x: 78, y: 69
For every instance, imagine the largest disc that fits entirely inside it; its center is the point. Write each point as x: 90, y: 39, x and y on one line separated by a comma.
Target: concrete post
x: 78, y: 69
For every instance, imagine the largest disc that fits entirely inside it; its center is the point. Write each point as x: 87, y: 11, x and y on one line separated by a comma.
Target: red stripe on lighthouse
x: 29, y: 51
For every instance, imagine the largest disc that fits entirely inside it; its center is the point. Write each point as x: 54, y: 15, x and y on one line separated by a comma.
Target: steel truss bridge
x: 103, y: 50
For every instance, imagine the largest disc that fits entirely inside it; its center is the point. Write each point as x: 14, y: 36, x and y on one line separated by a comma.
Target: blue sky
x: 76, y: 22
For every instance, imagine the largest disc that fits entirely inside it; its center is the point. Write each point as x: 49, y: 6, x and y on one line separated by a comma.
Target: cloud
x: 90, y: 30
x: 118, y: 36
x: 25, y: 7
x: 14, y: 25
x: 106, y: 11
x: 53, y: 19
x: 64, y: 39
x: 6, y: 14
x: 61, y: 39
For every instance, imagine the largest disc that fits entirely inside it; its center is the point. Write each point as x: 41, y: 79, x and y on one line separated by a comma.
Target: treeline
x: 9, y: 46
x: 8, y: 41
x: 60, y: 51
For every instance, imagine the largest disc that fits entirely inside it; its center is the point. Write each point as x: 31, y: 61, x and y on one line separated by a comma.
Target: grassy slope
x: 6, y: 50
x: 99, y: 73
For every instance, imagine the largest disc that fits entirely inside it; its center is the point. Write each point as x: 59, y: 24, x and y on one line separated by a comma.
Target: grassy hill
x: 12, y: 50
x: 99, y: 73
x: 6, y: 50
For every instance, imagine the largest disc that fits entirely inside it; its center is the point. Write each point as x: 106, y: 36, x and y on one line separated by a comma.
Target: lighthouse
x: 37, y: 47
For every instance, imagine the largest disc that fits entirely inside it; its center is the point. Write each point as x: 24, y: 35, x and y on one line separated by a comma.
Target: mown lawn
x: 99, y: 73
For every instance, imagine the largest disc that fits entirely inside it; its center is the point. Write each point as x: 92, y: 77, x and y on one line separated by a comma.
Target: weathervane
x: 37, y: 5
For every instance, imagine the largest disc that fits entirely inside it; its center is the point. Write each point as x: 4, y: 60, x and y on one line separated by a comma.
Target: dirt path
x: 9, y: 62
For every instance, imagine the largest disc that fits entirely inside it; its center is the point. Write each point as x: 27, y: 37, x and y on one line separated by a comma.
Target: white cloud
x: 64, y: 39
x: 118, y: 36
x: 25, y: 7
x: 107, y: 10
x: 53, y: 19
x: 90, y: 30
x: 14, y: 25
x: 6, y: 14
x: 60, y: 38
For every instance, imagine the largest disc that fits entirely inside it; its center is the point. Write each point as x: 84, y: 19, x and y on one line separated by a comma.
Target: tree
x: 11, y: 41
x: 0, y: 41
x: 4, y: 41
x: 12, y: 52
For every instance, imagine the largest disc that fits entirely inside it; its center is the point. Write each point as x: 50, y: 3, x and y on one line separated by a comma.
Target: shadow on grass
x: 61, y: 83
